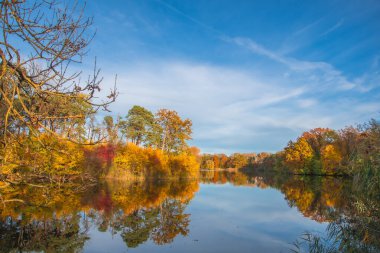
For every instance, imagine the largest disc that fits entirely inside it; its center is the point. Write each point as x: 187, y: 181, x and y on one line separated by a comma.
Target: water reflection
x: 253, y: 216
x: 54, y: 220
x: 350, y: 206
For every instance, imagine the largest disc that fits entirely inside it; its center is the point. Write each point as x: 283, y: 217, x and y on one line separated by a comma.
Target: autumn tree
x: 318, y: 138
x: 215, y: 159
x: 172, y: 131
x: 298, y: 155
x: 238, y: 160
x: 195, y: 151
x: 368, y: 156
x: 210, y: 165
x: 331, y: 158
x: 223, y: 161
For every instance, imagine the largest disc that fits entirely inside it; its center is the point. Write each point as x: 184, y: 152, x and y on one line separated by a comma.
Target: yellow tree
x: 331, y: 158
x: 298, y: 155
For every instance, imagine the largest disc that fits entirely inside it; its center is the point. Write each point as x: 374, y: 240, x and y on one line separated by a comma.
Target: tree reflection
x: 172, y: 221
x: 49, y: 235
x: 351, y: 206
x: 58, y: 220
x: 137, y: 227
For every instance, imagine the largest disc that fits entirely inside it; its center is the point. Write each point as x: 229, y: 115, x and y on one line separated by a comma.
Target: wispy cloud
x: 308, y: 27
x: 333, y: 28
x: 322, y: 73
x: 307, y: 102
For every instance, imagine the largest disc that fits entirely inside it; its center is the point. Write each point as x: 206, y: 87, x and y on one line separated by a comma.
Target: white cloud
x: 233, y: 110
x: 305, y: 103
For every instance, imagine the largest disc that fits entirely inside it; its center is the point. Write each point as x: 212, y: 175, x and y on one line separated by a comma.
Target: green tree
x: 138, y: 126
x: 110, y: 128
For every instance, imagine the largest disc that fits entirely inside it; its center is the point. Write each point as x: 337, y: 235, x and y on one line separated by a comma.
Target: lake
x: 221, y: 212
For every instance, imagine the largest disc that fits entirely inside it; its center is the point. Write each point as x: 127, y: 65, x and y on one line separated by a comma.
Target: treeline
x: 324, y: 151
x: 141, y: 145
x: 236, y: 160
x: 320, y: 151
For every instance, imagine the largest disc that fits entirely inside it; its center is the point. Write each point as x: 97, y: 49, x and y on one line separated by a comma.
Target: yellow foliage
x: 44, y: 154
x: 134, y: 162
x: 331, y: 158
x: 184, y: 165
x: 298, y: 155
x: 129, y: 159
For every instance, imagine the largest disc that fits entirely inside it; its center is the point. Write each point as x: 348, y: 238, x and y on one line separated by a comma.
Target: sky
x: 251, y: 75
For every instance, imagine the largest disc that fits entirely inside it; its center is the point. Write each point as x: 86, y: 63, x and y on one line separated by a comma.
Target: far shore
x: 220, y: 169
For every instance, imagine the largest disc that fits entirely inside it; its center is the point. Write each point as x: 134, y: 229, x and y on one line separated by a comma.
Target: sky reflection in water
x: 226, y: 218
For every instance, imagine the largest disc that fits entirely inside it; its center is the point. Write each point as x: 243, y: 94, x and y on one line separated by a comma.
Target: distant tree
x: 110, y: 128
x: 348, y: 143
x: 215, y: 159
x: 331, y: 158
x: 171, y: 131
x: 369, y: 145
x: 138, y: 126
x: 195, y: 151
x: 298, y: 155
x: 223, y: 161
x: 209, y: 165
x: 318, y: 138
x: 238, y: 160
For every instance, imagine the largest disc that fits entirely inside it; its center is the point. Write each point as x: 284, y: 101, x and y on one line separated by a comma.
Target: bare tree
x: 38, y: 43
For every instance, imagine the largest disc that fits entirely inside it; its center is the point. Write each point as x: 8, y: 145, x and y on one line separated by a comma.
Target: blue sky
x: 250, y: 74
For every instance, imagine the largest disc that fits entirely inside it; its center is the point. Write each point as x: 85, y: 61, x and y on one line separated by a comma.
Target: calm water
x: 224, y: 212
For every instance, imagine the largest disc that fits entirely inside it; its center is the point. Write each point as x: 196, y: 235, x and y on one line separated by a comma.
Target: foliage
x: 183, y: 165
x: 43, y: 157
x: 132, y: 161
x: 172, y: 131
x: 47, y: 157
x: 298, y: 155
x: 209, y: 165
x: 222, y: 161
x: 321, y: 151
x: 331, y: 158
x: 138, y: 126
